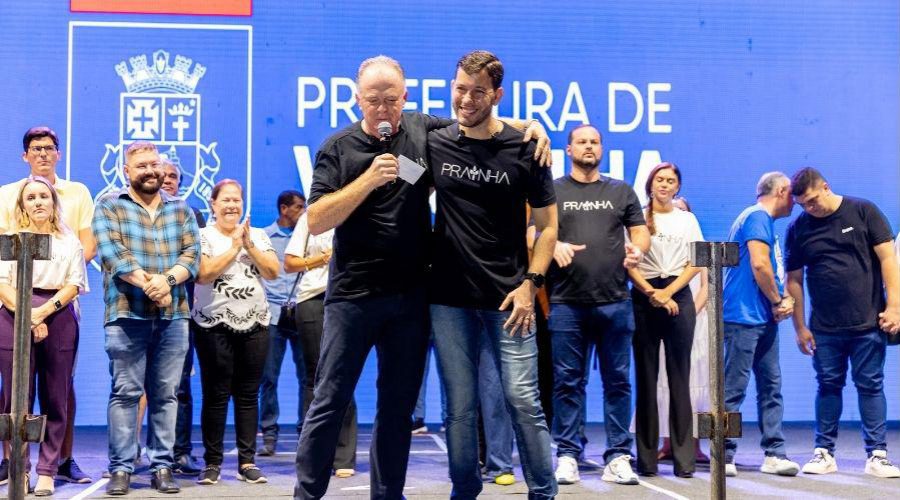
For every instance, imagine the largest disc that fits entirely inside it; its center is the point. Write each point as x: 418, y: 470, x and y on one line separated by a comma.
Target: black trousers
x: 310, y: 324
x: 652, y: 325
x: 231, y: 366
x: 396, y: 325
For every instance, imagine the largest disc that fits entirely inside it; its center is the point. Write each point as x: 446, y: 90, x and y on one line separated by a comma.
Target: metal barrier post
x: 18, y: 426
x: 717, y: 424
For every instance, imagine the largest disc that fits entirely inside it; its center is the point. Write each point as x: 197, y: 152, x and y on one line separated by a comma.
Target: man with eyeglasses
x: 42, y: 153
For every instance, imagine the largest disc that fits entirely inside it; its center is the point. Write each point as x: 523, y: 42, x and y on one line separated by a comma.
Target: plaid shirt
x: 127, y: 241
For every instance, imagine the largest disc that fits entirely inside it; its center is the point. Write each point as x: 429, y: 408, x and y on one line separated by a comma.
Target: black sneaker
x: 69, y: 471
x: 210, y: 475
x: 4, y: 471
x: 186, y: 465
x: 251, y: 474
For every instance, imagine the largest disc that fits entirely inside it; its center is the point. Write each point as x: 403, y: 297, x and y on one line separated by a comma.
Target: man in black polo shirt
x: 482, y: 286
x: 844, y: 245
x: 590, y: 304
x: 375, y: 295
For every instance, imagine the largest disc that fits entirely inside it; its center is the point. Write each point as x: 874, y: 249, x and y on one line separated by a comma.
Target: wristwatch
x: 536, y: 278
x: 171, y: 280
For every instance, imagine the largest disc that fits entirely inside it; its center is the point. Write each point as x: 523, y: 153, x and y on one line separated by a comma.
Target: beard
x: 586, y: 163
x: 140, y: 184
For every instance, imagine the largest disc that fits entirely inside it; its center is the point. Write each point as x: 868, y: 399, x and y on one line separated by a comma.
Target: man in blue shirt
x: 291, y: 205
x: 754, y: 303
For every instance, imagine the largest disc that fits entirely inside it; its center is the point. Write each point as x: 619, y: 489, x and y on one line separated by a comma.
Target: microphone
x: 384, y: 130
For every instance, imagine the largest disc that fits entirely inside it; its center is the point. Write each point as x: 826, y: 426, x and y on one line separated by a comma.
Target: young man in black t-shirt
x: 484, y: 175
x: 844, y: 245
x: 590, y: 304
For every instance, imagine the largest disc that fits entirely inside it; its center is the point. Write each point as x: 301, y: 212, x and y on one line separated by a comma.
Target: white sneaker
x: 619, y: 471
x: 878, y: 465
x: 780, y: 466
x: 730, y: 470
x: 821, y: 463
x: 567, y: 470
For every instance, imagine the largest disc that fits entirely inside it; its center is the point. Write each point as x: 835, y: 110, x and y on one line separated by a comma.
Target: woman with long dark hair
x: 664, y: 312
x: 56, y: 283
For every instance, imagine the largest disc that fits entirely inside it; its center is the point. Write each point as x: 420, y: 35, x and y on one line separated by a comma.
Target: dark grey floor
x: 427, y: 477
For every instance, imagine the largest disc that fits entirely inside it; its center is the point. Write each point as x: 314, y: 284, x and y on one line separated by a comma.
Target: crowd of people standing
x: 363, y: 267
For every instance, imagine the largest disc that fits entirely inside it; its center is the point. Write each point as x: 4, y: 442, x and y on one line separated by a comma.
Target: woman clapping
x: 232, y: 340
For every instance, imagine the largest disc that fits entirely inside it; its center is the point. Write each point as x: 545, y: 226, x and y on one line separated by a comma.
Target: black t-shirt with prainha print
x: 596, y: 215
x: 480, y: 252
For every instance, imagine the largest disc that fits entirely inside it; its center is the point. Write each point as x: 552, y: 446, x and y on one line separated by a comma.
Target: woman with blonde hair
x: 56, y: 283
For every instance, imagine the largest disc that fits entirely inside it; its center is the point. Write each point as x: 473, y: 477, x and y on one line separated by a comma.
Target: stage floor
x: 427, y: 476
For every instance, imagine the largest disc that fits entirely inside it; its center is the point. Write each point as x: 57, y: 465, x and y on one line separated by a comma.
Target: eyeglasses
x: 39, y: 149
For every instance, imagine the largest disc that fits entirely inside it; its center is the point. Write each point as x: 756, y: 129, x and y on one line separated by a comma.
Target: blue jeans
x: 865, y: 352
x: 419, y: 412
x: 185, y: 419
x: 139, y: 350
x: 279, y: 339
x: 458, y: 336
x: 755, y: 347
x: 397, y: 326
x: 498, y: 430
x: 574, y: 328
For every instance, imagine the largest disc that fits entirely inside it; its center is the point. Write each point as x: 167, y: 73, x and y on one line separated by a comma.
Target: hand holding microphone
x: 384, y: 131
x: 384, y: 167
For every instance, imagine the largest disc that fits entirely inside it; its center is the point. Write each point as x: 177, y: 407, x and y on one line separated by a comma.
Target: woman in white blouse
x: 310, y: 255
x: 664, y: 312
x: 57, y: 282
x: 232, y: 339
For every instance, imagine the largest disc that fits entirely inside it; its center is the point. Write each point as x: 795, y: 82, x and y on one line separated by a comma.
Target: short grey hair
x: 382, y: 60
x: 769, y: 182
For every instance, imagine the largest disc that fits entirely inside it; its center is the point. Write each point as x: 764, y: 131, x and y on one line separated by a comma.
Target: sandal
x: 44, y: 486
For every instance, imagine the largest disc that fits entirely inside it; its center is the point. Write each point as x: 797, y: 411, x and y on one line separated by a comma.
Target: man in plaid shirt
x: 148, y: 243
